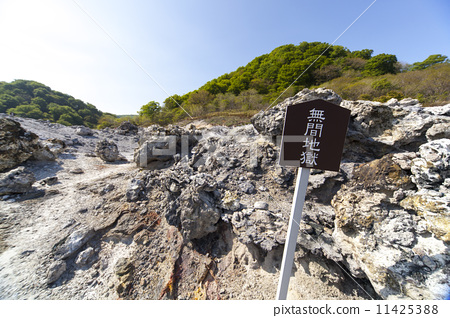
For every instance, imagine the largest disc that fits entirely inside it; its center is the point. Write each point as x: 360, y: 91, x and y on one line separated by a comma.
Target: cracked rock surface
x: 203, y: 214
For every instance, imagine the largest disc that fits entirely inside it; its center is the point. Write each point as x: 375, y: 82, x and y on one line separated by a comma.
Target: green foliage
x: 389, y: 95
x: 354, y: 75
x: 35, y: 100
x: 380, y: 64
x: 173, y: 102
x: 107, y: 120
x: 29, y: 111
x: 430, y: 86
x: 363, y: 54
x: 151, y: 109
x: 430, y: 61
x: 382, y: 84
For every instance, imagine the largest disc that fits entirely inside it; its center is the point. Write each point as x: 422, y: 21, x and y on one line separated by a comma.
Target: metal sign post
x: 313, y: 137
x: 291, y: 239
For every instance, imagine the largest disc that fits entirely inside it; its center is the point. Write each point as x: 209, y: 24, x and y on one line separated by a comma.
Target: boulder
x: 55, y: 271
x: 107, y: 150
x: 18, y: 180
x: 431, y: 173
x: 74, y: 242
x: 127, y: 128
x: 16, y: 144
x: 377, y: 219
x: 43, y: 153
x: 84, y: 131
x: 135, y: 190
x: 439, y: 131
x: 198, y: 212
x: 84, y: 256
x: 56, y: 146
x: 196, y: 209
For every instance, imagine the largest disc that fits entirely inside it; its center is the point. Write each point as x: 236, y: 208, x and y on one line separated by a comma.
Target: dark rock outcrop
x: 107, y: 151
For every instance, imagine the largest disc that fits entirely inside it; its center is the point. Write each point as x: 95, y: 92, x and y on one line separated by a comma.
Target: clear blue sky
x: 184, y: 44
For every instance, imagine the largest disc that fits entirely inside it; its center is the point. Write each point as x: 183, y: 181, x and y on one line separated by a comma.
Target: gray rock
x: 260, y: 227
x: 127, y: 128
x: 439, y: 131
x: 84, y: 131
x: 306, y: 95
x: 409, y: 102
x: 198, y: 212
x: 16, y: 144
x: 397, y: 229
x: 135, y: 190
x: 404, y: 159
x: 84, y: 256
x: 270, y: 122
x: 56, y: 146
x: 108, y: 188
x: 261, y: 205
x: 107, y: 150
x: 18, y: 180
x: 55, y: 271
x: 77, y: 171
x: 247, y: 187
x: 43, y: 153
x: 204, y: 182
x: 433, y: 166
x: 49, y: 181
x: 74, y: 242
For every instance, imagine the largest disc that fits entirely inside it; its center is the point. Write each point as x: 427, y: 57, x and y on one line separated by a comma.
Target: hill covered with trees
x: 234, y: 97
x: 290, y: 68
x: 35, y: 100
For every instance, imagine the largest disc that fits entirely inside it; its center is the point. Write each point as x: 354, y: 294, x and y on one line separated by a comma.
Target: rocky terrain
x: 201, y: 212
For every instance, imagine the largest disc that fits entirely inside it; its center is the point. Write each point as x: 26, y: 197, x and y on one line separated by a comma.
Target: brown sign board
x: 313, y: 135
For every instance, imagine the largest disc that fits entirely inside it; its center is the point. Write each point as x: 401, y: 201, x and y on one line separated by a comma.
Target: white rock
x: 261, y: 205
x: 83, y: 257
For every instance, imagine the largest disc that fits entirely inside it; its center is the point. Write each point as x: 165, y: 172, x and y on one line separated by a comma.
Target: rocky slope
x: 202, y: 211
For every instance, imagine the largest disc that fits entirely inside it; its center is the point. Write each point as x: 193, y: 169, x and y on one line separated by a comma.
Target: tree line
x: 35, y: 100
x: 265, y: 78
x: 243, y: 92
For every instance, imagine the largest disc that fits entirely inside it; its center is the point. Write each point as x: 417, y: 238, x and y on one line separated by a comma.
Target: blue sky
x: 184, y: 44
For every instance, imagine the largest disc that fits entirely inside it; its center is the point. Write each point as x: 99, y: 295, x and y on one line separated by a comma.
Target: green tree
x: 365, y: 54
x: 41, y: 103
x: 249, y: 99
x: 69, y: 119
x: 29, y: 111
x: 150, y: 110
x: 173, y: 102
x: 430, y: 61
x: 380, y: 64
x: 9, y: 101
x: 198, y: 101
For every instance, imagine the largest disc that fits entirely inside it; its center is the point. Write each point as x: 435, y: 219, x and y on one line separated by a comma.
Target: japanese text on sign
x: 314, y: 131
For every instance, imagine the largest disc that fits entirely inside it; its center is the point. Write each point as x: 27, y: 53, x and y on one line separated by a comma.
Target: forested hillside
x: 354, y: 75
x: 35, y: 100
x: 234, y: 97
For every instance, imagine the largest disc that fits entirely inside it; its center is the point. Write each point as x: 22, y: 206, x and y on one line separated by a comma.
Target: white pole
x: 291, y: 238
